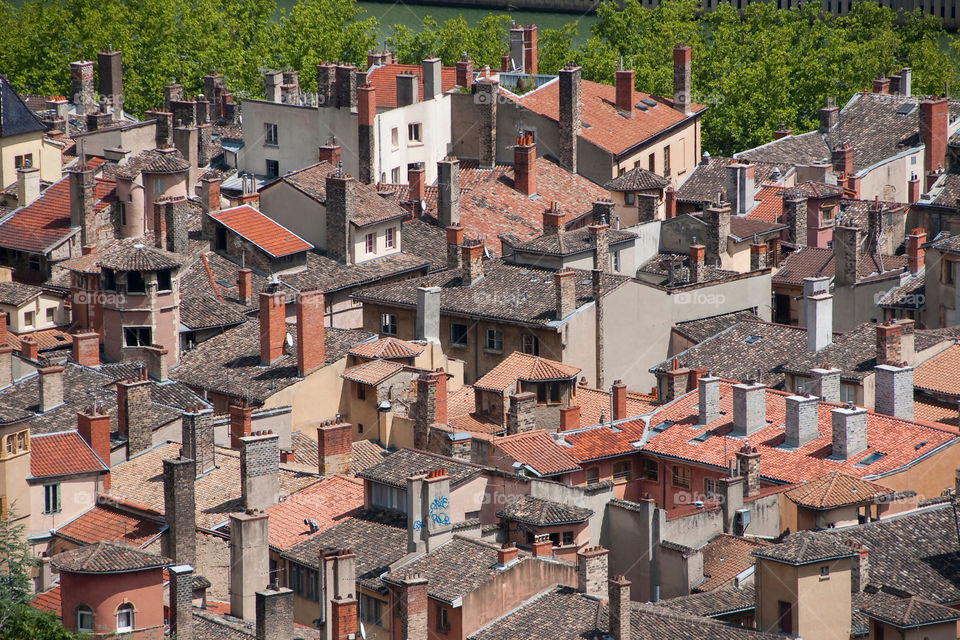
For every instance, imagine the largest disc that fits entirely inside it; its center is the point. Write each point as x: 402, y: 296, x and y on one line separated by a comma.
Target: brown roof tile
x: 525, y: 367
x: 836, y: 489
x: 813, y: 262
x: 537, y: 450
x: 540, y: 512
x: 107, y: 557
x: 158, y: 161
x: 387, y: 349
x: 939, y: 373
x: 724, y: 558
x: 372, y: 372
x: 108, y: 524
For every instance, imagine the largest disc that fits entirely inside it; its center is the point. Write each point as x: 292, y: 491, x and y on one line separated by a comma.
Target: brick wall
x: 592, y: 571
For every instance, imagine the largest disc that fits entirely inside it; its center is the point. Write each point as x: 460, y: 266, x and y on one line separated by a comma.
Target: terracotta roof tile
x: 526, y: 367
x: 61, y: 454
x: 386, y: 349
x: 934, y: 411
x: 250, y: 224
x: 107, y: 524
x: 939, y: 373
x: 326, y: 502
x: 603, y: 441
x: 537, y: 450
x: 836, y: 489
x: 158, y: 161
x: 593, y: 402
x: 372, y: 372
x: 724, y: 558
x: 107, y: 557
x: 384, y: 78
x: 48, y: 601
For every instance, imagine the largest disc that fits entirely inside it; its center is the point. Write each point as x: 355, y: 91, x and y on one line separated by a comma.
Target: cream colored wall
x: 433, y: 358
x: 359, y: 237
x: 32, y: 143
x: 316, y: 397
x: 39, y: 306
x: 133, y: 139
x: 77, y: 494
x: 51, y: 161
x: 684, y: 153
x: 434, y: 118
x: 889, y: 180
x: 296, y: 211
x: 824, y: 610
x: 14, y: 469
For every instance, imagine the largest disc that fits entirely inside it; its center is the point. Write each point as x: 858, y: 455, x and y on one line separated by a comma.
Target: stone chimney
x: 894, y: 391
x: 408, y: 89
x: 431, y: 406
x: 413, y: 608
x: 569, y: 116
x: 624, y: 87
x: 454, y: 241
x: 849, y: 431
x: 486, y: 93
x: 826, y: 384
x: 241, y: 416
x: 843, y: 159
x: 731, y: 499
x: 259, y: 470
x: 566, y: 292
x: 708, y: 399
x: 311, y: 348
x: 181, y: 602
x: 366, y: 136
x: 748, y: 462
x: 28, y: 185
x: 846, y: 255
x: 94, y: 427
x: 428, y: 313
x: 601, y: 247
x: 795, y: 217
x: 425, y: 495
x: 859, y: 567
x: 530, y: 49
x: 553, y: 220
x: 163, y: 138
x: 290, y: 89
x: 179, y: 509
x: 86, y: 349
x: 521, y: 415
x: 210, y: 193
x: 618, y: 599
x: 464, y: 72
x: 448, y: 191
x: 592, y: 571
x: 273, y: 327
x: 670, y: 203
x: 525, y: 165
x: 133, y: 405
x: 81, y: 87
x: 272, y: 81
x: 749, y: 408
x: 890, y: 344
x: 915, y: 250
x: 740, y: 187
x: 829, y: 116
x: 818, y: 314
x: 758, y: 256
x: 335, y: 448
x: 602, y: 210
x: 51, y: 387
x: 340, y: 208
x: 696, y: 261
x: 274, y: 610
x: 619, y: 392
x: 186, y: 139
x: 569, y: 418
x: 472, y: 258
x: 249, y: 562
x: 156, y: 362
x: 718, y: 229
x: 196, y: 429
x: 801, y: 420
x: 681, y: 78
x: 432, y: 85
x: 82, y: 201
x: 881, y: 84
x: 110, y: 75
x: 934, y: 121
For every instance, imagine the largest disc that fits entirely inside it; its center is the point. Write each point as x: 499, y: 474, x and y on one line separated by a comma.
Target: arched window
x: 84, y: 618
x: 125, y: 617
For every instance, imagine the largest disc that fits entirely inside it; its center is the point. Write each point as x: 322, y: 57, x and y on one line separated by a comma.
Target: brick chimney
x: 553, y: 220
x: 542, y: 546
x: 431, y: 406
x: 894, y: 391
x: 196, y: 430
x: 681, y: 78
x: 525, y: 164
x: 241, y: 417
x: 826, y: 384
x: 413, y: 604
x: 259, y: 470
x: 334, y: 448
x: 81, y: 87
x: 619, y: 392
x: 133, y: 403
x: 29, y: 348
x: 344, y: 620
x: 795, y: 217
x: 249, y: 561
x: 566, y: 293
x: 708, y: 399
x: 86, y: 349
x: 179, y: 509
x: 670, y: 203
x: 210, y: 193
x: 697, y: 254
x: 889, y: 344
x: 366, y: 136
x: 454, y: 241
x: 417, y: 190
x: 329, y: 153
x: 624, y: 88
x: 530, y: 49
x: 311, y: 348
x: 569, y: 418
x: 782, y: 132
x: 849, y: 425
x: 881, y: 85
x: 569, y: 116
x: 618, y: 599
x: 181, y: 602
x: 748, y: 463
x: 592, y: 571
x: 521, y: 414
x: 843, y: 159
x: 601, y: 247
x: 801, y: 420
x: 464, y: 72
x: 829, y: 116
x: 758, y: 256
x: 915, y: 250
x: 913, y: 189
x: 448, y: 191
x: 273, y: 327
x: 472, y: 259
x: 94, y: 427
x: 749, y: 408
x: 245, y: 286
x: 853, y: 184
x: 934, y: 120
x: 507, y: 554
x: 717, y: 220
x: 340, y: 206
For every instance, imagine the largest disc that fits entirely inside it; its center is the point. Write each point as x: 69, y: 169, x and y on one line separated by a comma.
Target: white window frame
x: 370, y: 243
x: 84, y: 612
x: 390, y: 237
x: 271, y: 136
x: 126, y: 613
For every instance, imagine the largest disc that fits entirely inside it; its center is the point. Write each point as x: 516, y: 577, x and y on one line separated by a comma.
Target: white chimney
x: 849, y: 426
x: 749, y: 408
x: 28, y: 185
x: 893, y: 391
x: 801, y: 423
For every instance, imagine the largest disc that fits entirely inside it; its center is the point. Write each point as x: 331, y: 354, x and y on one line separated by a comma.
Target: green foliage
x: 484, y: 43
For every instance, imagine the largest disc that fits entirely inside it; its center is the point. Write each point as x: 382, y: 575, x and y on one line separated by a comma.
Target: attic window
x: 870, y: 459
x: 663, y: 426
x: 585, y: 124
x: 906, y: 109
x: 650, y: 103
x: 751, y: 339
x: 701, y: 438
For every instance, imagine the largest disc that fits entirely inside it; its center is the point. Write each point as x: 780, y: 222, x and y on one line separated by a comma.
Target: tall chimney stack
x: 681, y: 78
x: 569, y: 116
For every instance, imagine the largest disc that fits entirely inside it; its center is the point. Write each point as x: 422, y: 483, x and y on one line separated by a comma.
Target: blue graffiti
x: 417, y: 525
x: 438, y: 510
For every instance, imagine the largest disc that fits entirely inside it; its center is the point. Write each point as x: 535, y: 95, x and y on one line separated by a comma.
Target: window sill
x: 493, y: 351
x: 457, y: 345
x: 414, y: 143
x: 621, y: 480
x: 271, y: 145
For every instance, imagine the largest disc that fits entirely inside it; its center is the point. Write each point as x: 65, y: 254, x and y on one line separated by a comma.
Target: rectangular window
x: 164, y: 282
x: 371, y: 610
x: 395, y: 175
x: 28, y: 319
x: 137, y: 336
x: 825, y: 571
x: 680, y: 477
x: 785, y: 616
x: 567, y: 538
x: 616, y: 261
x: 711, y: 488
x: 548, y: 393
x: 530, y: 344
x: 273, y: 168
x: 593, y: 475
x: 390, y: 238
x: 458, y: 334
x: 651, y: 470
x: 23, y: 162
x: 946, y: 272
x: 304, y: 582
x: 848, y: 393
x: 395, y: 137
x: 51, y: 314
x: 370, y: 243
x: 122, y: 208
x: 361, y: 391
x: 651, y: 163
x: 270, y: 134
x: 443, y: 621
x: 494, y: 340
x: 36, y: 264
x: 413, y: 132
x: 384, y: 496
x: 388, y: 324
x: 666, y: 161
x: 51, y: 498
x: 621, y: 471
x: 629, y: 198
x: 135, y: 282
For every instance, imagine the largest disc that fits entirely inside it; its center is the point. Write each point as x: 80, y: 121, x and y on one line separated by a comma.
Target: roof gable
x: 16, y: 118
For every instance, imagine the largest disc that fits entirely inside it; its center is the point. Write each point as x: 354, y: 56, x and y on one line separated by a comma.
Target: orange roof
x: 538, y: 450
x: 45, y: 223
x: 48, y: 601
x: 61, y: 454
x: 522, y: 366
x: 724, y: 558
x: 103, y: 523
x: 601, y: 123
x: 46, y: 339
x: 939, y: 373
x: 836, y: 489
x: 384, y: 79
x: 326, y: 502
x: 372, y: 372
x: 769, y: 205
x: 250, y: 224
x: 900, y: 442
x: 927, y: 410
x: 387, y: 348
x: 593, y: 401
x: 602, y: 441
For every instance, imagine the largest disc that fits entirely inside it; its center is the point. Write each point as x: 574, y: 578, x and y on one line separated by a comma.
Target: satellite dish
x: 289, y: 340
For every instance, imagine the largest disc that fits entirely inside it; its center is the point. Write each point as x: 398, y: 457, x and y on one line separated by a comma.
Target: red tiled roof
x: 257, y: 228
x: 327, y: 502
x: 934, y: 411
x: 387, y: 348
x: 48, y: 601
x: 60, y: 454
x: 46, y: 339
x: 45, y: 222
x: 522, y: 366
x: 539, y: 451
x: 593, y: 401
x: 939, y: 373
x: 602, y: 441
x: 601, y: 124
x: 902, y: 441
x: 384, y: 79
x: 372, y: 372
x: 769, y: 205
x: 103, y: 523
x: 836, y: 489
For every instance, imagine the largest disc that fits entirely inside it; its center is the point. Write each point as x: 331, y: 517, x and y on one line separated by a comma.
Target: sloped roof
x: 62, y: 454
x: 262, y: 231
x: 800, y: 549
x: 540, y: 512
x: 326, y: 502
x: 158, y: 161
x: 637, y: 179
x: 108, y: 557
x: 526, y: 367
x: 372, y: 372
x: 397, y: 467
x: 724, y: 558
x: 16, y: 118
x: 108, y: 524
x: 537, y: 450
x: 384, y: 79
x: 813, y: 262
x: 129, y: 255
x: 17, y: 293
x: 907, y: 613
x: 939, y: 373
x: 836, y: 489
x: 387, y: 348
x: 703, y: 328
x: 569, y: 243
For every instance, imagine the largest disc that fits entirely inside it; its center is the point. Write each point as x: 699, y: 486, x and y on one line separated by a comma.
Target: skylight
x: 870, y: 459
